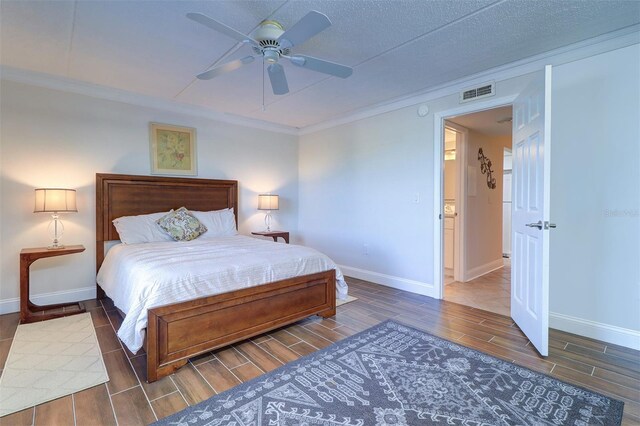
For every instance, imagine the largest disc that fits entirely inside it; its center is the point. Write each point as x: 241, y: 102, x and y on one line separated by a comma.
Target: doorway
x: 476, y: 200
x: 531, y: 194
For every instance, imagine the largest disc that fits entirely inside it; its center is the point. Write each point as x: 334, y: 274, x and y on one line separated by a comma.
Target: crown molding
x: 570, y: 53
x: 65, y: 84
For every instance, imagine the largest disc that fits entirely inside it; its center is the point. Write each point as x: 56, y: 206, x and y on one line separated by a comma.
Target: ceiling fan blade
x: 311, y: 24
x: 225, y: 68
x: 278, y: 79
x: 321, y: 65
x: 220, y: 27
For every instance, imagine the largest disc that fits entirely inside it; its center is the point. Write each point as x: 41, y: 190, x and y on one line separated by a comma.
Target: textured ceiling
x: 397, y: 47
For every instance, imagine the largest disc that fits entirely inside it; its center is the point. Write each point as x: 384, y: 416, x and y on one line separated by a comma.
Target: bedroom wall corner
x: 366, y: 193
x: 55, y: 138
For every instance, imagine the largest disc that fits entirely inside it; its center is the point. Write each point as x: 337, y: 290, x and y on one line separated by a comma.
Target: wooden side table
x: 27, y: 309
x: 274, y: 235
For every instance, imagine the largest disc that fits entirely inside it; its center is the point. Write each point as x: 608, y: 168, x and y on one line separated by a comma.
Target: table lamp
x: 268, y: 202
x: 55, y: 201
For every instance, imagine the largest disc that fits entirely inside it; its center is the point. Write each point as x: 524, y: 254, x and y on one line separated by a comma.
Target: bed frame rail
x: 227, y: 318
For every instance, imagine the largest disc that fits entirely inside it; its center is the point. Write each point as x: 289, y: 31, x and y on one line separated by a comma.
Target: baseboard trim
x: 399, y: 283
x: 596, y: 330
x: 481, y: 270
x: 8, y: 306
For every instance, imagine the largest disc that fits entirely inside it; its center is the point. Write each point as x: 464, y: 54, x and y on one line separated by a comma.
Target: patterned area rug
x: 392, y: 374
x: 50, y: 359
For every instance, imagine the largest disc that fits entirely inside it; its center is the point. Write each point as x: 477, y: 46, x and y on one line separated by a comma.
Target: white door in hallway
x: 530, y: 211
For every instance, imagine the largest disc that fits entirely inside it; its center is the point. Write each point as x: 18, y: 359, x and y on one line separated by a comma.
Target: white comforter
x: 142, y: 276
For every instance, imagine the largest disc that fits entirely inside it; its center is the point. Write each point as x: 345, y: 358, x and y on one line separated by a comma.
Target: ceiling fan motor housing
x: 267, y: 36
x: 271, y: 42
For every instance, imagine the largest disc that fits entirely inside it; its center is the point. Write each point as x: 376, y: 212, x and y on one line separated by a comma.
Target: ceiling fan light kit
x: 272, y: 42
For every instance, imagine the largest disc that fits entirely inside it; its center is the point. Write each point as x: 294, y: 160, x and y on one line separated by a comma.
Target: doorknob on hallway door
x: 541, y: 225
x: 535, y: 225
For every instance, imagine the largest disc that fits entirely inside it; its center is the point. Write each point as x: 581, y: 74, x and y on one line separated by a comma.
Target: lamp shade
x: 55, y: 200
x: 268, y: 202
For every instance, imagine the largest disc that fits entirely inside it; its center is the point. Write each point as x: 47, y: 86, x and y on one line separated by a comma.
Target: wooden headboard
x: 130, y: 195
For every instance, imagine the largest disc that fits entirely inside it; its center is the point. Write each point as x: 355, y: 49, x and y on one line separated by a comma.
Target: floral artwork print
x: 172, y: 150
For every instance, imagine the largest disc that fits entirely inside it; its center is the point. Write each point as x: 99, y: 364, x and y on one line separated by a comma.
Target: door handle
x: 538, y: 225
x: 541, y: 225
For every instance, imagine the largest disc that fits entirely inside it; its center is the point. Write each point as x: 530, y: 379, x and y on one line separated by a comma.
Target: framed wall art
x: 173, y: 150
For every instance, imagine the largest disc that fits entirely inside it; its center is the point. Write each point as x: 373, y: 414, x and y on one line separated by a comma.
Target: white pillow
x: 219, y: 223
x: 141, y: 229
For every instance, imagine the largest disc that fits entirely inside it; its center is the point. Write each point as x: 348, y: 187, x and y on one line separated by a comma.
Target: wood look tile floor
x: 490, y: 292
x: 128, y: 400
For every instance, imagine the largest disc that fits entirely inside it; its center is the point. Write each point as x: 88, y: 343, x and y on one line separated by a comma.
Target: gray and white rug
x: 392, y: 374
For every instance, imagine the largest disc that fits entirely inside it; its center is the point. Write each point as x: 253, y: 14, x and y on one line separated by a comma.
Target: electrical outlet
x: 365, y: 249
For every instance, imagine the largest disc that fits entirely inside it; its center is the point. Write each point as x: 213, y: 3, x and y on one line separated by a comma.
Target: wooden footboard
x: 179, y: 331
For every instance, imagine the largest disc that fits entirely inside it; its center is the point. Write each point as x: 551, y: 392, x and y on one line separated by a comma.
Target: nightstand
x: 28, y: 310
x: 274, y: 235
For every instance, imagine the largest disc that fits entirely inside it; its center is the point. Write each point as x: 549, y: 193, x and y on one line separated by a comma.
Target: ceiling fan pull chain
x: 264, y: 109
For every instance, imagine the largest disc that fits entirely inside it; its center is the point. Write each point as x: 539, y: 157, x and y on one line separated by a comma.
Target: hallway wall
x: 483, y: 216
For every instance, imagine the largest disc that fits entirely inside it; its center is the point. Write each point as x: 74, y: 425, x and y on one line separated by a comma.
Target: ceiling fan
x: 272, y: 42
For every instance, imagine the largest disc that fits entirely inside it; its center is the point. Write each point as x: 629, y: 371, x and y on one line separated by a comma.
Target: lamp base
x: 267, y: 221
x: 56, y: 229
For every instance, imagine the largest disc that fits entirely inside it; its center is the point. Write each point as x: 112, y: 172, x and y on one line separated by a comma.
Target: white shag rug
x: 51, y: 359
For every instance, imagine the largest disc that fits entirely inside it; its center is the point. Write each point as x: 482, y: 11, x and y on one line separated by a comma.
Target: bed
x: 177, y: 331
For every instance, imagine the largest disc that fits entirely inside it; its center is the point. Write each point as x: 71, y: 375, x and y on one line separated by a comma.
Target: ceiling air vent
x: 483, y: 91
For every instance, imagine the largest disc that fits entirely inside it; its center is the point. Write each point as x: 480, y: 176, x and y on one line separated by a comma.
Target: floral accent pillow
x: 181, y: 225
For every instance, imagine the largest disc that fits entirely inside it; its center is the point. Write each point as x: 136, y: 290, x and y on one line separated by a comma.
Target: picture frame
x: 173, y: 150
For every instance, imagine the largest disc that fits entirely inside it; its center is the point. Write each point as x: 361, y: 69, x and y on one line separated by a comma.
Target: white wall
x: 483, y: 216
x: 53, y: 138
x: 357, y: 188
x: 358, y: 180
x: 450, y: 178
x: 358, y: 185
x: 595, y: 191
x: 450, y: 173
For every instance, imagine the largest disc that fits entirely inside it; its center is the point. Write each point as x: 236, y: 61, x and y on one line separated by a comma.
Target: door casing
x: 459, y: 257
x: 438, y: 178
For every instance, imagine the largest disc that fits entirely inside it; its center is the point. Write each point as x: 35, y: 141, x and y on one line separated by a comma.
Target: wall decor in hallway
x: 485, y: 168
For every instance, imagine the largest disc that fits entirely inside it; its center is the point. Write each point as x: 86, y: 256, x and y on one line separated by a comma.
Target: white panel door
x: 530, y: 211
